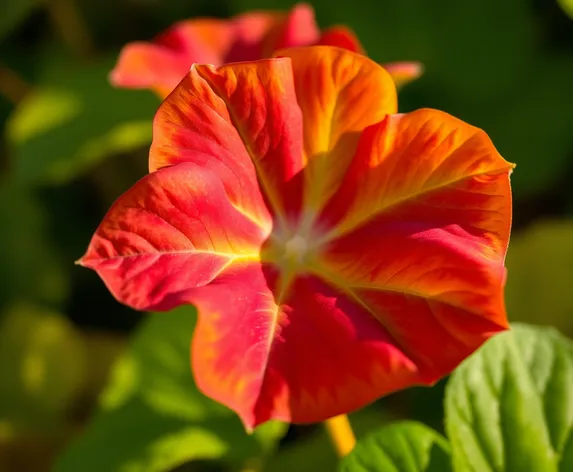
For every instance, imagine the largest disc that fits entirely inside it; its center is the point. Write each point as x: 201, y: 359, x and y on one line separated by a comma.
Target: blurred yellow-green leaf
x: 41, y: 367
x: 152, y: 417
x: 540, y: 275
x: 73, y: 119
x: 567, y: 6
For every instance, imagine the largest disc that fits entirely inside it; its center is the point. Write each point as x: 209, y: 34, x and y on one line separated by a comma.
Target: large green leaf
x: 73, y: 119
x: 401, y: 447
x: 540, y: 271
x: 29, y: 268
x: 509, y: 407
x: 153, y: 418
x: 41, y: 367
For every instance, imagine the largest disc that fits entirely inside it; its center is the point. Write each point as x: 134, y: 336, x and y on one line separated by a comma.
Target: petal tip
x: 81, y: 261
x: 114, y: 77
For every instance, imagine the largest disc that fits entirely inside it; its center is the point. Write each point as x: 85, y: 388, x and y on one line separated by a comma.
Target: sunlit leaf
x: 567, y: 6
x: 154, y: 412
x: 73, y: 119
x: 41, y: 367
x: 540, y: 271
x: 509, y: 408
x: 400, y: 447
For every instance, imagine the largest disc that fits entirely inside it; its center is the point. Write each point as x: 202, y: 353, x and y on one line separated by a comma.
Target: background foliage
x: 72, y: 362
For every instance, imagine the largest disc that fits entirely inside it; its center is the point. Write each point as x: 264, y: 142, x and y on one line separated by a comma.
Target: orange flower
x: 336, y: 251
x: 161, y: 64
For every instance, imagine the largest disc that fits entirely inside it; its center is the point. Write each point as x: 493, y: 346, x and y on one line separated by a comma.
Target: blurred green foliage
x: 41, y: 366
x: 14, y: 13
x: 153, y: 405
x: 71, y: 144
x: 74, y: 118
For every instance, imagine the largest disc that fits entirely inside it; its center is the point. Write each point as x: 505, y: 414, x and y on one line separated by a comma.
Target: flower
x: 336, y: 251
x: 161, y: 64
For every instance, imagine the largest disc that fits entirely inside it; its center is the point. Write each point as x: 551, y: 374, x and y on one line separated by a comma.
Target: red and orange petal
x: 404, y: 72
x: 242, y: 121
x: 160, y: 65
x: 173, y: 231
x: 342, y: 37
x: 390, y: 275
x: 335, y: 90
x: 310, y: 355
x: 426, y: 154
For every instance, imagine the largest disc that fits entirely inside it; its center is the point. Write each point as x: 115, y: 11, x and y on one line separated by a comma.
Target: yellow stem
x: 341, y: 434
x: 71, y: 26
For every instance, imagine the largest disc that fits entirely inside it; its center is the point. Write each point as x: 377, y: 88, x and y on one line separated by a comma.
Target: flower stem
x: 340, y: 432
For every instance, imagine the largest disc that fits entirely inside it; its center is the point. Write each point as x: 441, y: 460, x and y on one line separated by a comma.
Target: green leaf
x: 152, y: 417
x: 401, y: 447
x: 73, y: 119
x: 316, y: 452
x: 30, y: 269
x: 509, y: 407
x: 540, y: 271
x: 567, y: 6
x: 41, y: 367
x: 13, y: 13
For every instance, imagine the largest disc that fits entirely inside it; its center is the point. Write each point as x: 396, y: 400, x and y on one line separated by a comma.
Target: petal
x: 296, y: 28
x: 340, y: 93
x: 423, y: 155
x: 173, y: 231
x: 160, y: 65
x: 147, y: 66
x: 428, y: 275
x: 241, y: 121
x: 342, y: 37
x: 404, y: 72
x: 312, y: 355
x: 424, y: 220
x: 299, y: 29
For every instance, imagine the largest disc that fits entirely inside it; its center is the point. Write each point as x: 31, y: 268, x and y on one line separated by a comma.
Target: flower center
x: 296, y: 249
